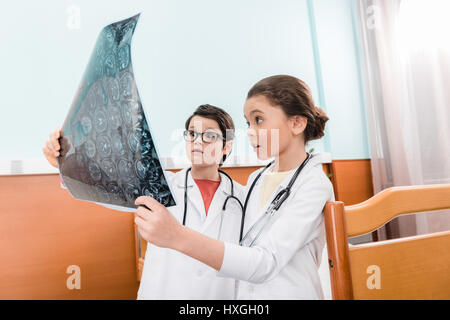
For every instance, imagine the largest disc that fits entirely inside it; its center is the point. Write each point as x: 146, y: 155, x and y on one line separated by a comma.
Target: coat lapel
x: 253, y: 214
x: 194, y: 198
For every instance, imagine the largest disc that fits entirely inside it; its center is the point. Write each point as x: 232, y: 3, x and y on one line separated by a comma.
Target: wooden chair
x: 415, y: 267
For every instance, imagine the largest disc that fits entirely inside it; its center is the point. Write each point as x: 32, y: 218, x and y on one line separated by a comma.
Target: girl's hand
x: 51, y: 147
x: 157, y: 225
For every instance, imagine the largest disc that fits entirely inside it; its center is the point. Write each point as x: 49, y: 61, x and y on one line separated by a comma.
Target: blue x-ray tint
x: 107, y: 151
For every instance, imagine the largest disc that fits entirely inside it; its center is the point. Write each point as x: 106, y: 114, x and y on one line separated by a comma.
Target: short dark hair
x: 222, y: 118
x: 295, y: 98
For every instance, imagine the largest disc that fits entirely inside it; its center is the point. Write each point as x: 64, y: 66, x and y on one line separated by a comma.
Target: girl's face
x: 269, y: 129
x: 202, y: 153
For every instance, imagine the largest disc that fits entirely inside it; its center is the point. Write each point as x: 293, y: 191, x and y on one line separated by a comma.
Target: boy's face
x: 202, y: 153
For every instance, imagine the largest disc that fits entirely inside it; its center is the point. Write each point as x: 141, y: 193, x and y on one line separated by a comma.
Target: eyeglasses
x: 208, y: 136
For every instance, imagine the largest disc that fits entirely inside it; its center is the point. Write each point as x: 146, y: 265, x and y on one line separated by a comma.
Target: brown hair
x: 294, y: 97
x: 217, y: 114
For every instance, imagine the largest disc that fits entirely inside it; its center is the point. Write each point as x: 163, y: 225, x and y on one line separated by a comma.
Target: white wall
x: 195, y: 52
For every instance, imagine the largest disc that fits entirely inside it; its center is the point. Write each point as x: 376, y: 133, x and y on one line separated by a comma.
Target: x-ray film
x: 107, y: 151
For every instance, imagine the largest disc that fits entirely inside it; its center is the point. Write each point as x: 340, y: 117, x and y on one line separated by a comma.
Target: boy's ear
x: 298, y: 124
x: 227, y: 147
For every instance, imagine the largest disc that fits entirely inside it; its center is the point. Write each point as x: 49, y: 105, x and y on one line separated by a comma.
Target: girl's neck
x: 290, y: 158
x: 205, y: 172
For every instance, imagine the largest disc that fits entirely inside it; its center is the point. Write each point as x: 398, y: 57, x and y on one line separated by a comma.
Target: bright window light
x: 424, y: 24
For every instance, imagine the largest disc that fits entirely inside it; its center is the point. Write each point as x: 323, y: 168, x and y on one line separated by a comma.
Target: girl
x: 168, y: 274
x: 279, y: 256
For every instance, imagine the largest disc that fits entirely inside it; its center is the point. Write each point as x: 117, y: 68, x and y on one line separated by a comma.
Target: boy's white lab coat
x: 169, y: 274
x: 283, y: 263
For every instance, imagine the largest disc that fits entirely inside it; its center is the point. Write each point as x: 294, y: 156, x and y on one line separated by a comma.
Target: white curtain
x: 406, y: 50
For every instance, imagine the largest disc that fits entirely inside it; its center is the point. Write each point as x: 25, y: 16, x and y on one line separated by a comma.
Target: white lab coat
x: 283, y: 263
x: 169, y: 274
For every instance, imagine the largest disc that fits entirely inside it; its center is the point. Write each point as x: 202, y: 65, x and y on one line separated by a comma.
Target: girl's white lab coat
x: 169, y: 274
x: 283, y: 263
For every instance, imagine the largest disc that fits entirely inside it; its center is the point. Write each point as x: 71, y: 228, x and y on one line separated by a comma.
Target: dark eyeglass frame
x: 188, y: 137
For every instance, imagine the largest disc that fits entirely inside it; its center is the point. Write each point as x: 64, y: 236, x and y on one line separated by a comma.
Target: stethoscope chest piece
x: 258, y: 227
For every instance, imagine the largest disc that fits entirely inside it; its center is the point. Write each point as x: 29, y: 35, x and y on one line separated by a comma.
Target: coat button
x: 199, y: 273
x: 250, y: 289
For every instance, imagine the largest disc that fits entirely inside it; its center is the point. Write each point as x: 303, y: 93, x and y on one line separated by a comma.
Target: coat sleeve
x: 299, y: 224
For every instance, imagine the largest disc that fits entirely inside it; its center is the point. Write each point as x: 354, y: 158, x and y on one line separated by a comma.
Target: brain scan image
x: 131, y: 192
x: 125, y: 170
x: 100, y: 120
x: 127, y: 111
x: 109, y: 64
x: 114, y: 116
x: 94, y: 97
x: 104, y: 146
x: 95, y: 171
x: 127, y: 84
x: 124, y: 56
x: 86, y: 125
x: 133, y: 141
x: 112, y: 89
x: 116, y: 193
x: 117, y: 145
x: 90, y: 149
x: 141, y: 169
x: 108, y: 154
x: 109, y: 168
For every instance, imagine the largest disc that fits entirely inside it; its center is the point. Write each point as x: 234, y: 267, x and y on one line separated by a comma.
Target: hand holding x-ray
x: 107, y: 153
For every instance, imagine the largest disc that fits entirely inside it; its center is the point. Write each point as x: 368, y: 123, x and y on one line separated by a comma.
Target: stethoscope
x: 231, y: 196
x: 275, y: 204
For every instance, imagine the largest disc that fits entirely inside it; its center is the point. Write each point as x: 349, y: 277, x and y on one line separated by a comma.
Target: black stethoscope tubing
x: 280, y: 197
x: 276, y: 202
x: 232, y: 196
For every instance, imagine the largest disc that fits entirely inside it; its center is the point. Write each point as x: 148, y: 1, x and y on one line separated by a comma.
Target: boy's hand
x: 52, y: 147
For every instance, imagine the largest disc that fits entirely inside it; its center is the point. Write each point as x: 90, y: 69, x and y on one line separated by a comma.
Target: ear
x: 227, y: 147
x: 298, y: 124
